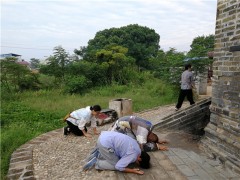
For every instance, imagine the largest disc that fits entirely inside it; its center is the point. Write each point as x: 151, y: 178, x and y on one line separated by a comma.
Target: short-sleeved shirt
x: 187, y: 80
x: 82, y: 116
x: 125, y: 147
x: 139, y: 127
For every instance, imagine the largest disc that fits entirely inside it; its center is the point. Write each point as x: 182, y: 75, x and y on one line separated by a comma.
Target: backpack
x: 106, y: 116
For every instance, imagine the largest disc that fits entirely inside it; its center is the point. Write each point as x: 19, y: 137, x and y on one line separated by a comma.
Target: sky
x: 32, y: 28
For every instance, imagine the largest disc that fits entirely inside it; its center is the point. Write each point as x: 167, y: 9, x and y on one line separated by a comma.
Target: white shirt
x: 82, y: 116
x: 139, y: 127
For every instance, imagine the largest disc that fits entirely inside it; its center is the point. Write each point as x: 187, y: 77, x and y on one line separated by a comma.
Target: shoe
x: 90, y: 164
x: 176, y: 109
x: 65, y: 131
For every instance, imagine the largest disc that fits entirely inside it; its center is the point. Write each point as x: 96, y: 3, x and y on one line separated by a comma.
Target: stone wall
x: 222, y: 138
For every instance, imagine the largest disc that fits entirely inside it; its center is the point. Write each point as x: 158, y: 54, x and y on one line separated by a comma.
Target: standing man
x: 115, y: 151
x: 187, y: 84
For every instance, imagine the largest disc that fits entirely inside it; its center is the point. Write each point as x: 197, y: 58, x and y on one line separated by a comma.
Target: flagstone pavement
x: 52, y: 156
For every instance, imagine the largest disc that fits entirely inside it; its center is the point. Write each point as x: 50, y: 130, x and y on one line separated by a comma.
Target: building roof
x: 23, y: 62
x: 210, y: 55
x: 10, y: 54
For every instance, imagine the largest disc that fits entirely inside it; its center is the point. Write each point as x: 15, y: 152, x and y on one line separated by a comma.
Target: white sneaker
x: 176, y: 109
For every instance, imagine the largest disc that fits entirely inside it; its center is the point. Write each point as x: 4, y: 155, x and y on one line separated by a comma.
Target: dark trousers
x: 182, y: 95
x: 75, y: 130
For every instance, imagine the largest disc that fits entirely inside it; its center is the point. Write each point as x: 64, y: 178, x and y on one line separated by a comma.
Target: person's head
x: 144, y: 160
x: 188, y: 66
x: 152, y: 137
x: 95, y: 110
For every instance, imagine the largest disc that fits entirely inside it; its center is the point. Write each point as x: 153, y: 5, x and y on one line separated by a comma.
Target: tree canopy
x: 57, y: 63
x: 201, y: 45
x: 199, y: 52
x: 142, y: 43
x: 16, y: 77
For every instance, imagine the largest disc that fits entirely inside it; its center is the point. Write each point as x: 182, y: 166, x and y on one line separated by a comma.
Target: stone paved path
x: 63, y: 157
x: 54, y: 156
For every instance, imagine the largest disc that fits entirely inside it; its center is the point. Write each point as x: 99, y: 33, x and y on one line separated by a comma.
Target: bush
x: 47, y: 82
x: 77, y: 84
x: 29, y: 82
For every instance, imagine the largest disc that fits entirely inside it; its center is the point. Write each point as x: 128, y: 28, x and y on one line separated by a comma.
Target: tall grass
x: 30, y: 114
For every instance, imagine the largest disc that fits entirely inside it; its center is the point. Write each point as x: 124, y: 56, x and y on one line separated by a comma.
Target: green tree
x: 115, y: 57
x: 198, y: 54
x: 94, y: 72
x: 201, y: 45
x: 77, y: 84
x: 168, y: 65
x: 142, y: 43
x: 16, y: 77
x: 34, y: 63
x: 57, y: 64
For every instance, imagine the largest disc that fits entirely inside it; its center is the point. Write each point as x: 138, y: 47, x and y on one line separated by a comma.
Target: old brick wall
x: 222, y: 137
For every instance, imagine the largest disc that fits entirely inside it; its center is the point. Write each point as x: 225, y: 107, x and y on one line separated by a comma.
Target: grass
x: 29, y: 114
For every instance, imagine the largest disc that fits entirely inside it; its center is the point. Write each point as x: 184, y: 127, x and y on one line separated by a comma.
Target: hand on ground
x: 96, y: 133
x: 138, y: 171
x: 162, y: 148
x: 88, y: 135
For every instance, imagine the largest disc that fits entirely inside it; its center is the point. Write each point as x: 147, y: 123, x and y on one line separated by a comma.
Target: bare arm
x: 95, y: 131
x: 161, y: 147
x: 141, y: 146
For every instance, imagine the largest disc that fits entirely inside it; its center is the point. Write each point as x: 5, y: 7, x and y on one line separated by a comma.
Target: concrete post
x: 201, y: 84
x: 122, y: 106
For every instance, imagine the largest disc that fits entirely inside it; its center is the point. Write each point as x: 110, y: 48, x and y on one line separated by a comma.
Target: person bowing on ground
x: 116, y: 151
x: 141, y: 130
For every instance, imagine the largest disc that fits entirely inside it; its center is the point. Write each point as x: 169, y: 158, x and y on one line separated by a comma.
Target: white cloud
x: 48, y: 23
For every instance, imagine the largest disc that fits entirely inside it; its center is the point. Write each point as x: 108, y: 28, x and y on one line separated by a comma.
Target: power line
x: 26, y: 48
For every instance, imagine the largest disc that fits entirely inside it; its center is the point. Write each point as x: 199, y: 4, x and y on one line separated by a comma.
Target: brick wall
x: 223, y: 132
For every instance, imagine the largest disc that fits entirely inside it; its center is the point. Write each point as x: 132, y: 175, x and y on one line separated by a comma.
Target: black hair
x: 145, y: 160
x: 95, y: 108
x: 152, y: 137
x: 155, y: 138
x: 187, y: 66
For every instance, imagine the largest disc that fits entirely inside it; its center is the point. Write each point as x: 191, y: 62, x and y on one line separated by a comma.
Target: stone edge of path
x: 21, y: 161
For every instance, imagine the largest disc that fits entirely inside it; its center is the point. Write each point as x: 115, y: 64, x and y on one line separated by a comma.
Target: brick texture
x: 222, y: 133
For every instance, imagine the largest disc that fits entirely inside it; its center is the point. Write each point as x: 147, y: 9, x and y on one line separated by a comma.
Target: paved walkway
x: 52, y: 156
x: 63, y: 157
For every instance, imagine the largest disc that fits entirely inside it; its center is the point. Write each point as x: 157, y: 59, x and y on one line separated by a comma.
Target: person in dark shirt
x: 141, y: 130
x: 187, y: 83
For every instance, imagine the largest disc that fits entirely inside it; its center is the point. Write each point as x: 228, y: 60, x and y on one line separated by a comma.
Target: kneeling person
x: 141, y: 130
x: 115, y: 151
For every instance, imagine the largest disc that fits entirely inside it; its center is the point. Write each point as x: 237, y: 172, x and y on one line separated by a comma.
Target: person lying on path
x: 141, y: 130
x: 116, y: 151
x: 78, y: 119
